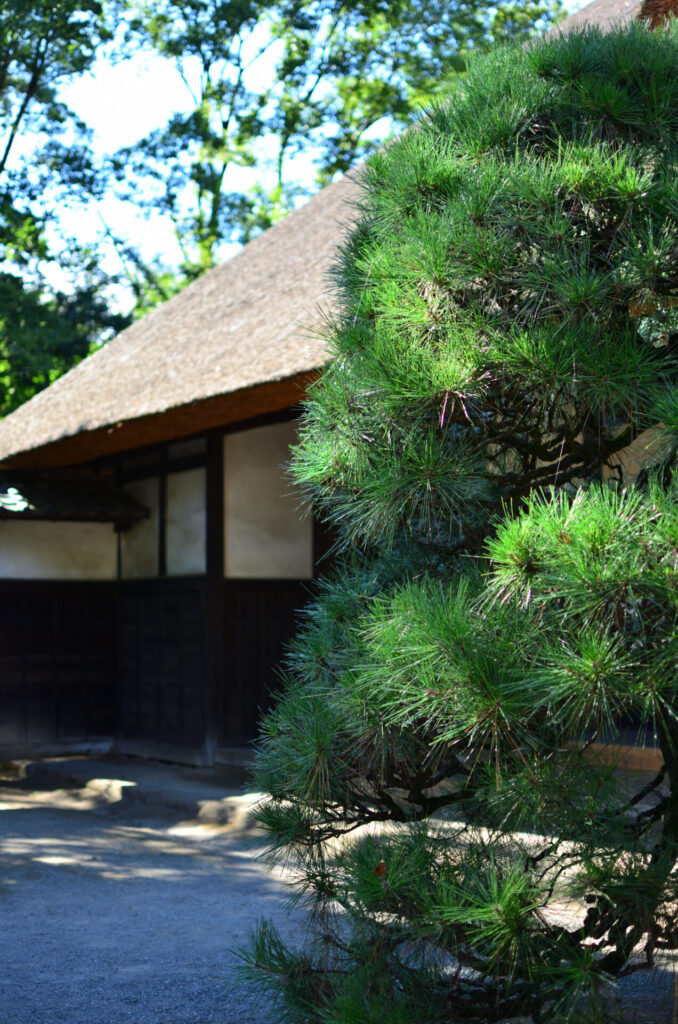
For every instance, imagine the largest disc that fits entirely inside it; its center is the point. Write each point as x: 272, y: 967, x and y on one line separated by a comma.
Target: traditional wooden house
x: 152, y: 550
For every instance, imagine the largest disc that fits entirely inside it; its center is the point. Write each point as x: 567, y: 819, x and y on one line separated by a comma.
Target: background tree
x: 266, y: 81
x: 270, y: 81
x: 507, y: 327
x: 52, y: 305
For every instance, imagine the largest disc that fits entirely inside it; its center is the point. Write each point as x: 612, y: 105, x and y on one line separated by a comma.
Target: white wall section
x: 267, y: 535
x: 37, y: 550
x: 139, y: 545
x: 186, y: 522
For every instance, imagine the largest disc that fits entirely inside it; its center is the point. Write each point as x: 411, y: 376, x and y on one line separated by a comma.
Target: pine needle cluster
x: 506, y: 598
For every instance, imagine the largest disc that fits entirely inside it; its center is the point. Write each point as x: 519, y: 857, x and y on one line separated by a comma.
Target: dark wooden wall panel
x: 82, y: 661
x: 161, y: 662
x: 260, y: 618
x: 57, y: 670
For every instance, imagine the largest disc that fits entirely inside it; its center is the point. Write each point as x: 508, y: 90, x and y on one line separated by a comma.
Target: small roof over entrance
x: 67, y: 496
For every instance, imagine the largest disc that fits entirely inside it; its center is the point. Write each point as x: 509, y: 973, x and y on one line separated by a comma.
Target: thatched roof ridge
x: 244, y: 324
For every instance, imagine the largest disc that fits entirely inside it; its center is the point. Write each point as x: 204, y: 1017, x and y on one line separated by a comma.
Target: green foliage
x: 510, y: 241
x: 44, y: 330
x: 507, y: 595
x: 43, y: 333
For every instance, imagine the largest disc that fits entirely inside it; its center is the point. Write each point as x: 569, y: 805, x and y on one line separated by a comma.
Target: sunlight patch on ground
x: 95, y: 793
x: 59, y: 861
x: 119, y: 874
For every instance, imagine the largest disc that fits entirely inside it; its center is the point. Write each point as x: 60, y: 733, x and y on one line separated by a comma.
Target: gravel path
x: 118, y: 914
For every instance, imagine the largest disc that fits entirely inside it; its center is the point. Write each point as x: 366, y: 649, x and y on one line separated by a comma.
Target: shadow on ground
x: 123, y: 913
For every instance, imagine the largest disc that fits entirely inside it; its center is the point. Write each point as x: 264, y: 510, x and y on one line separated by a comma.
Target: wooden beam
x: 181, y: 421
x: 628, y: 758
x: 162, y: 514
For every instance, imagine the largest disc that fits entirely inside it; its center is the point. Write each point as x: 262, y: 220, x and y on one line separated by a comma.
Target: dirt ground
x: 116, y: 913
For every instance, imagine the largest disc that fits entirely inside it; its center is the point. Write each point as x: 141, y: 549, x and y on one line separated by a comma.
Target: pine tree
x: 507, y: 594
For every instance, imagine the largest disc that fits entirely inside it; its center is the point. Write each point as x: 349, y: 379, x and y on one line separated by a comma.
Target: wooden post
x: 214, y: 618
x: 162, y: 513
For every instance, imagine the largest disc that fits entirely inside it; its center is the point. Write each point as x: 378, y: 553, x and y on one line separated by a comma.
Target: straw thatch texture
x: 608, y: 13
x: 245, y: 323
x: 603, y: 13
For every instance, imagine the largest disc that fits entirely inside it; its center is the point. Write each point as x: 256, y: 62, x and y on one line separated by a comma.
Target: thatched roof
x: 233, y: 345
x: 605, y: 14
x: 608, y: 13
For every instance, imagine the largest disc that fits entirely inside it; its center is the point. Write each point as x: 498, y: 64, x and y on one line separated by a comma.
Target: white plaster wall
x: 266, y: 533
x: 185, y: 523
x: 57, y: 551
x: 139, y: 545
